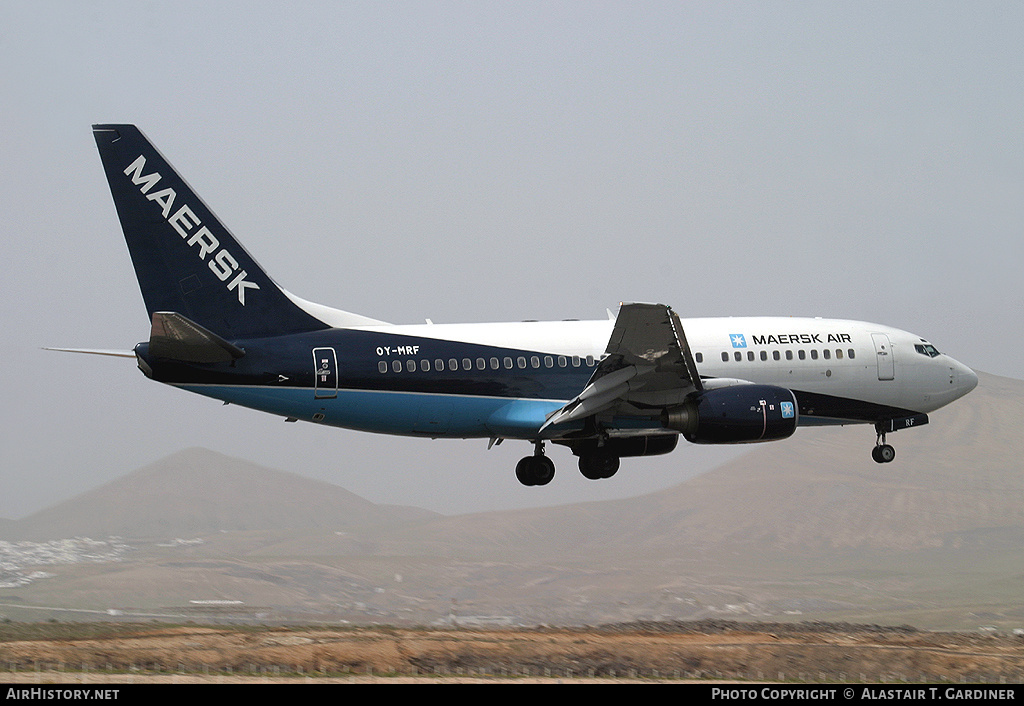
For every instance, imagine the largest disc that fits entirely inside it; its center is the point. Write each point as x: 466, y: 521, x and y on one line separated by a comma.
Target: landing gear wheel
x: 543, y: 470
x: 524, y: 472
x: 598, y: 465
x: 883, y: 453
x: 535, y: 470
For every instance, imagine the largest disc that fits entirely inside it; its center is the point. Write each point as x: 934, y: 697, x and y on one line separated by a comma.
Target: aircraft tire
x: 883, y: 453
x: 535, y: 470
x: 887, y: 453
x: 543, y: 470
x: 596, y: 466
x: 523, y: 470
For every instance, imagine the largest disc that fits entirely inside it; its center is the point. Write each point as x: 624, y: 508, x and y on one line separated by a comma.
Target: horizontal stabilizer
x: 175, y: 337
x: 94, y: 351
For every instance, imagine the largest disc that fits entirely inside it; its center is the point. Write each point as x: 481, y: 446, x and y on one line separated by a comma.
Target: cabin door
x: 883, y: 354
x: 325, y: 373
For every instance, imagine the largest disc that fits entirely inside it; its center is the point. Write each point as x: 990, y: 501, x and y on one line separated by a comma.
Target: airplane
x: 624, y: 387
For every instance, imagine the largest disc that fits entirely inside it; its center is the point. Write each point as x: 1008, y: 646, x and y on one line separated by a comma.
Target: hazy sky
x: 489, y: 161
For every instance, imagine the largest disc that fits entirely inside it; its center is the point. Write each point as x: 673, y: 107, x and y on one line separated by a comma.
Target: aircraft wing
x: 647, y: 366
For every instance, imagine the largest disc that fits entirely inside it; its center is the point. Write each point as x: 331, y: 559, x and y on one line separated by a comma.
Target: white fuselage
x: 839, y: 358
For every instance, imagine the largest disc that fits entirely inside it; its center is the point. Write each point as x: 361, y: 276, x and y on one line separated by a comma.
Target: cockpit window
x: 926, y: 349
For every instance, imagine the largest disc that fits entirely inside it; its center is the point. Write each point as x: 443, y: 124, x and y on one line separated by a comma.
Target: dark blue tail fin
x: 185, y: 259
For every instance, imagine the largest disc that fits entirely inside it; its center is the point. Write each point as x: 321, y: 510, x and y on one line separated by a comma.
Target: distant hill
x: 198, y: 492
x: 956, y: 482
x: 810, y: 526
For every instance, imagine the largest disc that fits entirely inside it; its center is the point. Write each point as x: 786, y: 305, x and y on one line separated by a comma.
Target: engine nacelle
x: 735, y: 415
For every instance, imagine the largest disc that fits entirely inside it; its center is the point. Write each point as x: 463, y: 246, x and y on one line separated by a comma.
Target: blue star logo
x: 738, y: 340
x: 787, y: 410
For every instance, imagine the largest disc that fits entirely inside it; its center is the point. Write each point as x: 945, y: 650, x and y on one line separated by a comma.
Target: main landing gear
x: 598, y: 464
x: 537, y: 469
x: 883, y: 452
x: 595, y: 464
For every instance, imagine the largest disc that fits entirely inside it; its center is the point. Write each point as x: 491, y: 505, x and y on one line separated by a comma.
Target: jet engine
x: 735, y: 415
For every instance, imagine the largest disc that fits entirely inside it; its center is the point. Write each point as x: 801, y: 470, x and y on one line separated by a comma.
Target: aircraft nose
x: 966, y: 379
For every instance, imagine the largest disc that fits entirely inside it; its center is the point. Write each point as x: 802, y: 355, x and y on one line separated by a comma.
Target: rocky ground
x: 650, y: 651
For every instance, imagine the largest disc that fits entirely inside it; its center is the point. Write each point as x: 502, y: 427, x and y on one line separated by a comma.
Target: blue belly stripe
x: 404, y: 413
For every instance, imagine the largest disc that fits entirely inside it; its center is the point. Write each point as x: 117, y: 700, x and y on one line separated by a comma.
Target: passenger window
x: 576, y: 361
x: 494, y: 364
x: 775, y: 355
x: 481, y: 364
x: 725, y: 357
x: 521, y: 362
x: 750, y: 355
x: 410, y: 365
x: 764, y: 355
x: 827, y: 353
x: 738, y: 356
x: 802, y: 354
x: 850, y: 353
x: 396, y: 365
x: 382, y: 366
x: 699, y: 357
x: 561, y: 361
x: 789, y: 355
x: 439, y: 364
x: 508, y: 363
x: 425, y: 366
x: 839, y: 353
x: 590, y: 361
x: 534, y: 361
x: 549, y: 362
x: 467, y: 364
x: 814, y: 354
x: 453, y: 364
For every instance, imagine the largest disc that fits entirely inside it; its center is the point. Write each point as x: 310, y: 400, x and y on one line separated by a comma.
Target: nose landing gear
x: 883, y: 452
